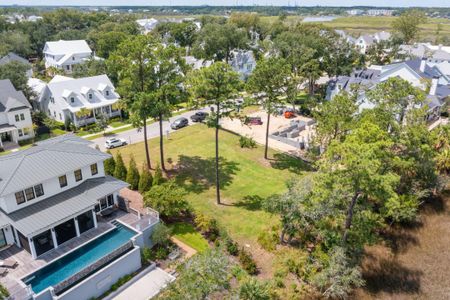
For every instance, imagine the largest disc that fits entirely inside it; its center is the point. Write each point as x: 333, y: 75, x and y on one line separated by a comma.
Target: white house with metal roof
x: 51, y: 192
x: 63, y: 221
x: 63, y: 98
x: 15, y: 115
x: 65, y: 54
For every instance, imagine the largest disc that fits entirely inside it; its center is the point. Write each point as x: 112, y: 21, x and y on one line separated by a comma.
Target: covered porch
x: 109, y: 111
x: 8, y: 137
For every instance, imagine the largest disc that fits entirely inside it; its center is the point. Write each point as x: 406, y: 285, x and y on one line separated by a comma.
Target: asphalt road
x: 133, y: 136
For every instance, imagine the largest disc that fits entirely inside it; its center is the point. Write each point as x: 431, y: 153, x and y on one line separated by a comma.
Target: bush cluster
x: 247, y: 142
x: 247, y: 262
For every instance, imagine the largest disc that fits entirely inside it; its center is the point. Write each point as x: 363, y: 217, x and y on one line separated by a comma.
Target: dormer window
x: 107, y: 93
x: 72, y: 99
x: 90, y: 96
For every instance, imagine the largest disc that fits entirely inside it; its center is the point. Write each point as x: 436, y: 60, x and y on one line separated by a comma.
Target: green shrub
x: 161, y: 234
x: 133, y: 174
x: 25, y: 142
x: 4, y: 294
x: 268, y: 240
x: 109, y: 164
x: 120, y: 171
x: 247, y: 142
x: 232, y: 247
x: 146, y: 255
x: 145, y: 181
x: 247, y: 262
x: 158, y: 177
x: 120, y: 282
x: 253, y: 289
x: 161, y: 252
x: 208, y: 226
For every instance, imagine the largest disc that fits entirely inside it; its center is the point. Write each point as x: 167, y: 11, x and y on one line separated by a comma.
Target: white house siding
x: 51, y: 188
x: 26, y: 125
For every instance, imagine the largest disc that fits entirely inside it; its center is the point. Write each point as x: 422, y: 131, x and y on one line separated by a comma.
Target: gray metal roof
x: 46, y: 160
x: 10, y: 98
x: 52, y: 211
x: 13, y: 57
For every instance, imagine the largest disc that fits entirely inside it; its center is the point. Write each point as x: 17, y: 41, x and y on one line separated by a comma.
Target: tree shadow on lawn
x: 388, y: 275
x: 283, y: 161
x: 250, y: 202
x: 197, y: 174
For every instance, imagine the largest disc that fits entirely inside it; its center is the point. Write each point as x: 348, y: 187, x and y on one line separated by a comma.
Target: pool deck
x: 27, y: 265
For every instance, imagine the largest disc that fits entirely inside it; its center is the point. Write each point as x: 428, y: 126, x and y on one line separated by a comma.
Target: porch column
x: 16, y: 235
x: 77, y: 228
x: 55, y: 242
x: 110, y: 111
x: 33, y: 251
x: 94, y: 216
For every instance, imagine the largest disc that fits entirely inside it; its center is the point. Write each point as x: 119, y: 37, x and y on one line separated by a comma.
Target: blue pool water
x: 77, y: 260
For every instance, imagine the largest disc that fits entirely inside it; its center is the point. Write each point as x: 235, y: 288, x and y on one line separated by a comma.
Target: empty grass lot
x: 246, y: 178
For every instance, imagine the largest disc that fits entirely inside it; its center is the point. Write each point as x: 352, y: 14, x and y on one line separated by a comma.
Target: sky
x: 398, y: 3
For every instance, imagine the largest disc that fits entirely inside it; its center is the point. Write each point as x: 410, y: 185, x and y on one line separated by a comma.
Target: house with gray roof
x: 365, y: 41
x: 15, y: 115
x: 10, y: 57
x: 63, y: 221
x: 63, y: 98
x: 417, y: 72
x: 65, y: 54
x: 243, y: 62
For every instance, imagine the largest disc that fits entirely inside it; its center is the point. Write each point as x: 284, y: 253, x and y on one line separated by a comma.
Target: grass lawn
x: 246, y: 178
x: 187, y: 234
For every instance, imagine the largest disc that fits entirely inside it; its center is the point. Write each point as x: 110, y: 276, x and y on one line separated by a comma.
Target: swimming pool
x: 75, y: 261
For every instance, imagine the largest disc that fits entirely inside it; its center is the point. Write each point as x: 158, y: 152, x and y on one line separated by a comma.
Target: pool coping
x: 21, y: 280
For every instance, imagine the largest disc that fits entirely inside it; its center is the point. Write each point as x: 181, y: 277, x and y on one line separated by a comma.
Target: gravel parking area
x: 258, y: 132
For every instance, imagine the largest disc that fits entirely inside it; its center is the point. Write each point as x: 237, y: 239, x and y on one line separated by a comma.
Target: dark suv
x: 199, y: 116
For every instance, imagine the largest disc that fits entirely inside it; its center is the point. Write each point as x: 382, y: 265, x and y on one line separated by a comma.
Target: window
x: 54, y: 114
x: 17, y: 118
x: 39, y: 190
x: 103, y: 203
x: 107, y: 93
x: 94, y: 169
x: 49, y: 112
x: 26, y: 131
x: 90, y: 96
x: 22, y: 117
x: 62, y: 181
x: 73, y: 57
x: 20, y: 132
x: 68, y: 67
x: 78, y: 175
x: 29, y: 193
x: 20, y: 197
x: 72, y: 99
x: 110, y: 199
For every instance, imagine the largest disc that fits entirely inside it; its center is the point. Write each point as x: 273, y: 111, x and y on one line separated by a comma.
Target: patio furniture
x: 8, y: 263
x: 107, y: 212
x: 3, y: 271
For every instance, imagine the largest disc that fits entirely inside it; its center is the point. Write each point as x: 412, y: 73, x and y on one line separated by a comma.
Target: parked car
x: 179, y: 123
x: 288, y: 114
x: 199, y: 116
x: 253, y: 121
x: 114, y: 143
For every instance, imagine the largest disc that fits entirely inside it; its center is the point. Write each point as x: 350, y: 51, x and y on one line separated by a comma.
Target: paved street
x: 133, y: 136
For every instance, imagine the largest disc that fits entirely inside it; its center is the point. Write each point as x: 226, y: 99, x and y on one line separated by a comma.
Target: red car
x: 289, y: 114
x: 253, y: 121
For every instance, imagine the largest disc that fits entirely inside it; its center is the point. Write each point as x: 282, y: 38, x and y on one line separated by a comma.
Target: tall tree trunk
x: 147, y: 153
x: 283, y: 232
x: 161, y: 142
x: 267, y: 135
x: 349, y: 219
x: 217, y: 158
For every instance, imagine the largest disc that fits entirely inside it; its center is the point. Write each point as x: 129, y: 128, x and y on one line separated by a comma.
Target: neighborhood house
x: 80, y: 101
x: 15, y: 115
x: 65, y: 54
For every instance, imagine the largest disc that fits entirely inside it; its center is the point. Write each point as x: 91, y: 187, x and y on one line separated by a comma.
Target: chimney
x: 423, y: 63
x: 434, y: 84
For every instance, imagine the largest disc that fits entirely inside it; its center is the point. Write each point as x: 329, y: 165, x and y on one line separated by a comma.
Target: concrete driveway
x: 146, y: 287
x: 133, y: 136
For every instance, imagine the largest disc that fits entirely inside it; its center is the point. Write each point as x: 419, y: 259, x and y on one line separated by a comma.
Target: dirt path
x: 415, y: 262
x: 189, y: 251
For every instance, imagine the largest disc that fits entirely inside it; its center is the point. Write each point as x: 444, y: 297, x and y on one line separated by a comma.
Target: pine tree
x: 120, y: 171
x: 158, y: 177
x: 145, y: 181
x: 109, y: 164
x: 133, y: 174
